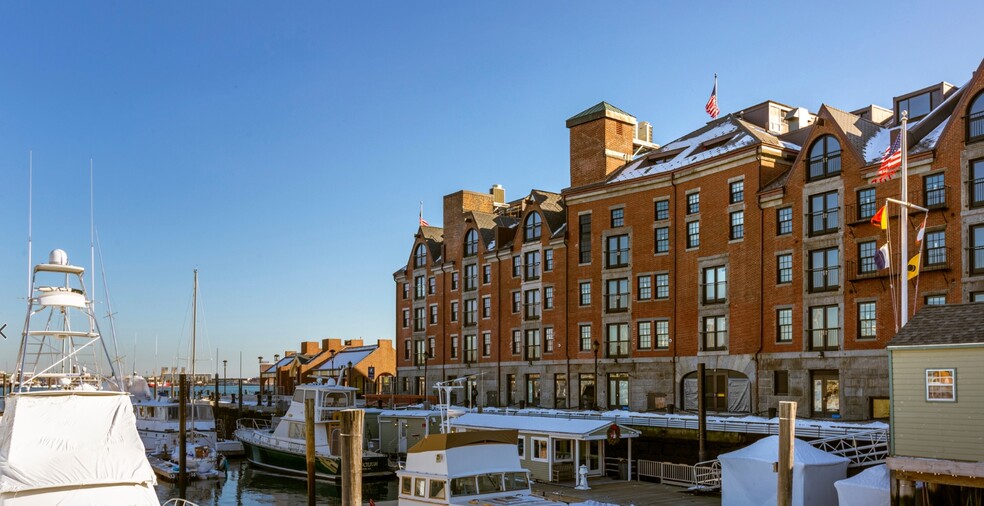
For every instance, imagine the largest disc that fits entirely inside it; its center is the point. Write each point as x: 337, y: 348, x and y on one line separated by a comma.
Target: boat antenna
x: 109, y: 304
x: 30, y: 193
x: 92, y: 234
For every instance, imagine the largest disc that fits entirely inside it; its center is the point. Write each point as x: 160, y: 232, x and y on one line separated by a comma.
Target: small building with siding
x: 400, y: 429
x: 937, y: 401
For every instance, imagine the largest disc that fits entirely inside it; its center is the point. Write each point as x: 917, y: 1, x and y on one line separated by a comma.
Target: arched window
x: 420, y: 256
x: 825, y: 158
x: 532, y: 229
x: 471, y: 243
x: 975, y: 118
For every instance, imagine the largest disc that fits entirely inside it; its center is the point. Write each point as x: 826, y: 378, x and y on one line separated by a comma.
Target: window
x: 486, y: 274
x: 715, y: 284
x: 406, y: 318
x: 418, y: 287
x: 532, y: 228
x: 935, y: 248
x: 941, y: 385
x: 548, y: 297
x: 824, y: 270
x: 419, y: 485
x: 521, y: 447
x: 406, y: 351
x: 517, y: 266
x: 826, y: 394
x: 588, y: 398
x: 867, y: 320
x: 471, y: 277
x: 532, y: 264
x: 419, y: 256
x: 918, y: 106
x: 531, y: 305
x: 560, y: 390
x: 584, y: 239
x: 436, y: 489
x: 737, y: 193
x: 866, y: 257
x: 662, y: 286
x: 662, y: 210
x: 471, y: 311
x: 585, y: 337
x: 486, y: 344
x: 517, y: 341
x: 454, y: 347
x: 824, y: 158
x: 715, y: 332
x: 662, y: 334
x: 420, y: 352
x: 433, y: 315
x: 644, y: 335
x: 454, y: 311
x: 977, y: 249
x: 780, y: 382
x: 419, y: 320
x: 784, y: 268
x: 585, y: 290
x: 454, y: 280
x: 617, y: 340
x: 935, y: 300
x: 824, y: 213
x: 618, y: 390
x: 737, y: 225
x: 975, y: 119
x: 510, y: 389
x: 662, y: 239
x: 693, y: 234
x: 539, y: 449
x: 784, y: 325
x: 977, y: 296
x: 406, y: 290
x: 471, y: 243
x: 486, y: 307
x: 976, y: 182
x: 517, y: 301
x: 548, y: 340
x: 618, y: 218
x: 532, y: 348
x: 618, y: 251
x: 548, y: 260
x: 867, y: 204
x: 644, y: 287
x: 431, y: 347
x: 693, y: 203
x: 824, y: 328
x: 618, y: 295
x: 935, y: 191
x: 784, y: 221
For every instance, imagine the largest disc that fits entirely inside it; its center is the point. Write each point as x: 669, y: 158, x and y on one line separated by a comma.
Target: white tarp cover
x: 64, y: 440
x: 747, y: 478
x: 868, y: 488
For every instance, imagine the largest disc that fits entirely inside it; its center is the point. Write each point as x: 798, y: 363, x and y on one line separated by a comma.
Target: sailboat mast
x: 904, y: 226
x: 194, y: 328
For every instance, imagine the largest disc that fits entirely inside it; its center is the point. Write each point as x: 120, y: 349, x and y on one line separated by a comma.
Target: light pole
x: 348, y: 375
x: 276, y: 374
x: 260, y: 378
x: 332, y: 364
x: 225, y: 374
x: 594, y: 347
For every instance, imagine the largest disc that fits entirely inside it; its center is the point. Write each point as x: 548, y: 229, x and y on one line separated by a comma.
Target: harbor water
x: 246, y: 486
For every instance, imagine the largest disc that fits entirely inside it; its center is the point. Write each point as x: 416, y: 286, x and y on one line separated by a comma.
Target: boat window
x: 336, y: 438
x: 337, y: 399
x: 406, y: 485
x: 295, y: 430
x: 204, y: 412
x: 172, y: 412
x: 517, y: 481
x: 298, y: 396
x: 437, y: 489
x: 463, y: 486
x: 488, y: 483
x: 418, y: 487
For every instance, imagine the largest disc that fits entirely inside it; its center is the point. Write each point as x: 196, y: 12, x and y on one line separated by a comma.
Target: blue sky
x: 282, y: 148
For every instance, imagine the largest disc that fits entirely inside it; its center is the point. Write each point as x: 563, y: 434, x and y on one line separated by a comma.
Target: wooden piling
x: 351, y: 436
x: 787, y: 435
x: 309, y: 447
x: 182, y: 434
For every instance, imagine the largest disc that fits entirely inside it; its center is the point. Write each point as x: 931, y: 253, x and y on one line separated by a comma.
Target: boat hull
x: 325, y: 468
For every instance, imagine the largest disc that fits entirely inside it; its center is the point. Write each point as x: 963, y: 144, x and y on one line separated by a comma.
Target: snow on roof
x: 575, y: 427
x: 876, y: 477
x: 413, y: 413
x: 766, y: 450
x: 875, y: 148
x: 354, y: 355
x: 931, y: 138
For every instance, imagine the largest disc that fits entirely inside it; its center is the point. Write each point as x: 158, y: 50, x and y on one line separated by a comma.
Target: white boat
x: 68, y: 433
x: 283, y: 448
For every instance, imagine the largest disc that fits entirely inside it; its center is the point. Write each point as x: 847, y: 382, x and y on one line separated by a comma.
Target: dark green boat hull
x: 325, y: 468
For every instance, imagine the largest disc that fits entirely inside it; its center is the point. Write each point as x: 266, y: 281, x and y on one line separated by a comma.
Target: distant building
x: 745, y: 245
x: 372, y: 366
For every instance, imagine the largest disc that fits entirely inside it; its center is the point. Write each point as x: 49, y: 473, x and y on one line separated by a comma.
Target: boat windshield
x: 334, y: 399
x: 489, y: 483
x: 517, y: 481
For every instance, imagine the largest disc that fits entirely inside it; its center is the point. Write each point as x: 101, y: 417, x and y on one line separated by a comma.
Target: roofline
x: 907, y: 347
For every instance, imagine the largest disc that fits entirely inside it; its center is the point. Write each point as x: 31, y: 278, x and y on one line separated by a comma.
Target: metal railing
x: 862, y: 448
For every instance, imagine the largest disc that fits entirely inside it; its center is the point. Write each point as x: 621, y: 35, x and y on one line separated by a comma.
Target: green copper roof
x: 601, y: 110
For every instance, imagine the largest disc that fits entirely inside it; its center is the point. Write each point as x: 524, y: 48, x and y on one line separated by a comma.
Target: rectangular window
x: 693, y: 203
x: 715, y: 331
x: 824, y: 213
x: 471, y: 349
x: 644, y: 287
x: 867, y: 205
x: 431, y: 285
x: 471, y: 277
x: 454, y: 347
x: 548, y: 260
x: 617, y: 340
x: 784, y: 325
x: 618, y: 390
x: 585, y: 292
x: 419, y: 320
x: 406, y: 290
x: 471, y: 312
x: 824, y: 270
x: 617, y: 299
x: 824, y: 328
x: 662, y: 328
x: 784, y: 268
x: 618, y: 251
x: 517, y: 341
x: 588, y: 397
x: 560, y: 390
x: 548, y: 297
x: 531, y: 305
x: 433, y: 315
x: 406, y: 350
x: 486, y: 274
x: 780, y: 382
x: 533, y: 390
x: 584, y: 239
x: 693, y: 234
x: 510, y: 389
x: 486, y: 344
x: 486, y: 307
x: 532, y: 348
x: 737, y: 225
x: 539, y: 449
x: 935, y: 248
x: 662, y: 210
x: 618, y: 217
x: 431, y: 347
x: 715, y: 284
x: 934, y: 187
x: 517, y: 266
x: 935, y: 300
x: 532, y: 265
x: 977, y: 249
x: 454, y: 311
x: 548, y: 340
x: 976, y: 183
x: 662, y: 286
x: 454, y: 280
x: 517, y: 301
x: 737, y: 192
x: 585, y: 337
x: 418, y: 287
x: 784, y: 221
x: 406, y: 318
x: 941, y: 385
x: 662, y: 239
x: 867, y: 320
x: 644, y: 335
x: 866, y: 257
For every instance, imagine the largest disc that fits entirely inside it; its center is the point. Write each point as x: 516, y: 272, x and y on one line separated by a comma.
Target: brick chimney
x: 601, y: 141
x: 310, y: 348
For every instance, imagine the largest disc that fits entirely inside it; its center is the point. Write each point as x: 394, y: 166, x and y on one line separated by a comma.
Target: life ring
x: 614, y: 434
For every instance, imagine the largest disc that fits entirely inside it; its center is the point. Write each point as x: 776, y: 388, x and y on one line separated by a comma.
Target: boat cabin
x: 400, y: 429
x: 329, y: 399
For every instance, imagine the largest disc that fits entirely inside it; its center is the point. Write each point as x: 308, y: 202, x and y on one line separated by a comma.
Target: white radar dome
x: 58, y: 257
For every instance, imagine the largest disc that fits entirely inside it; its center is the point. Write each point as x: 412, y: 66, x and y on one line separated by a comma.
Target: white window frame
x: 534, y: 449
x: 521, y: 447
x: 952, y: 385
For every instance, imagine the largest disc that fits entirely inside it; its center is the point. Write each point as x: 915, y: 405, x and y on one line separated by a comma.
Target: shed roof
x: 569, y: 428
x: 946, y: 325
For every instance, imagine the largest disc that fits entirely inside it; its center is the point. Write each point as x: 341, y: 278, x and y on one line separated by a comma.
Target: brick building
x: 745, y: 245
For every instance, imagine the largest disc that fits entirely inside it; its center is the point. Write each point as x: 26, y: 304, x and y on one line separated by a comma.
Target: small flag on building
x: 922, y: 230
x: 880, y: 219
x: 882, y: 257
x: 712, y: 103
x: 913, y: 267
x: 420, y: 216
x: 891, y: 161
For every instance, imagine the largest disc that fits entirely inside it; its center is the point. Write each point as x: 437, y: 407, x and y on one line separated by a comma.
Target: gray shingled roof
x: 857, y: 130
x: 598, y: 111
x: 950, y: 324
x: 434, y: 236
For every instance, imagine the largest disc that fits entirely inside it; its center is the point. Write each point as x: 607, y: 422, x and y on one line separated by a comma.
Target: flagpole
x: 904, y: 225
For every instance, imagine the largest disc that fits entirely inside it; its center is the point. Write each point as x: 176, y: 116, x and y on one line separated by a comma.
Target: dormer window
x: 471, y: 243
x: 975, y: 119
x: 533, y: 227
x: 825, y: 158
x: 420, y: 256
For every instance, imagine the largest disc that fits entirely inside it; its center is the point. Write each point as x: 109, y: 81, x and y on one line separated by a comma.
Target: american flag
x: 423, y: 222
x: 712, y: 103
x: 891, y: 161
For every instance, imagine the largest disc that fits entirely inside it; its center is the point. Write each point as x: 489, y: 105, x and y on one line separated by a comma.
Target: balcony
x: 824, y: 279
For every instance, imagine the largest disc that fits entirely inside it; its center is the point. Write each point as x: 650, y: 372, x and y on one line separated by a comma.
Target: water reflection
x: 244, y: 486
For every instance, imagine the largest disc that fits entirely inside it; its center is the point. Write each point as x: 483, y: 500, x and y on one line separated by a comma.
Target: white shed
x: 868, y: 488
